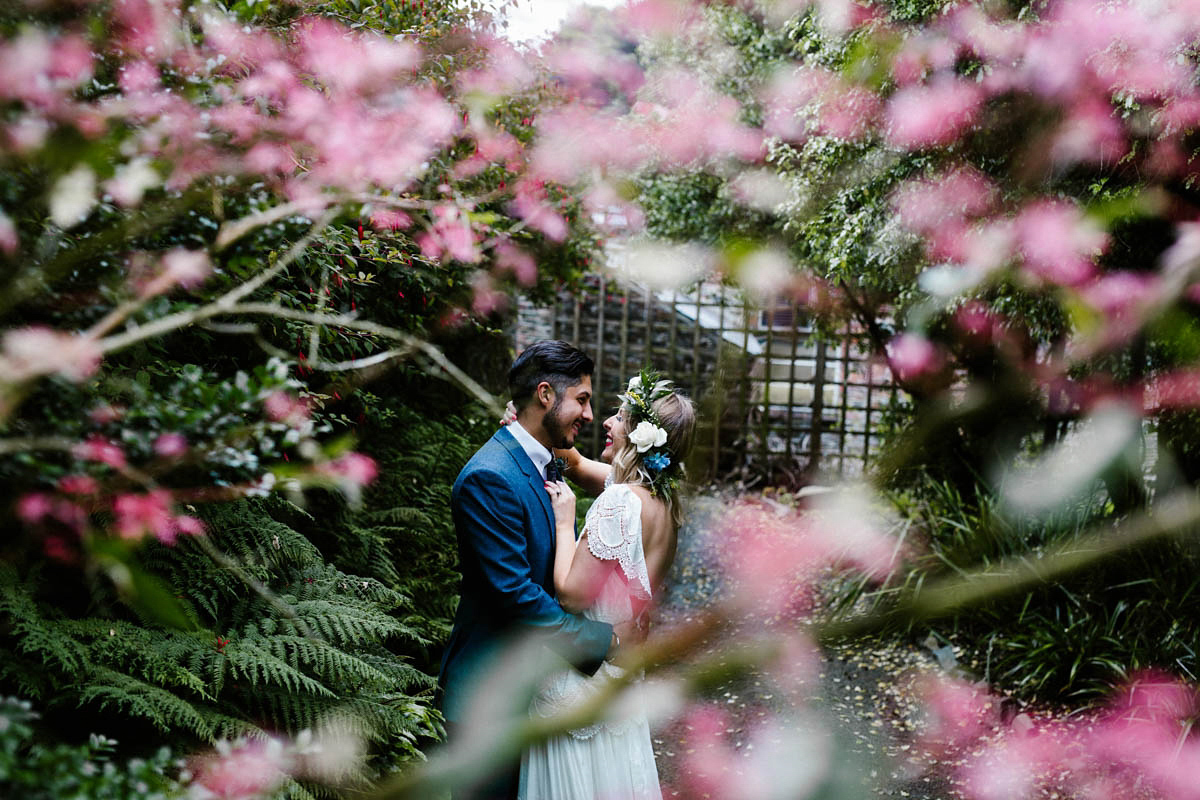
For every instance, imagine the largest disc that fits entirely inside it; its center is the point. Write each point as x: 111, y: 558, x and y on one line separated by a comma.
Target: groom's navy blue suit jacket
x: 505, y: 528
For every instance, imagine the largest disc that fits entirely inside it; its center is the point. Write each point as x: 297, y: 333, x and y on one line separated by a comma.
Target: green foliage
x: 283, y: 641
x: 32, y: 770
x: 1071, y: 641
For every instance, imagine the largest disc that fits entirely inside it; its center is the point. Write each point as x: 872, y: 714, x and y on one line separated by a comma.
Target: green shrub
x: 30, y: 770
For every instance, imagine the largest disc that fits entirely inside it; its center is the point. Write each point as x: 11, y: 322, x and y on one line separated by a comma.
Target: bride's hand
x: 562, y: 499
x: 510, y: 413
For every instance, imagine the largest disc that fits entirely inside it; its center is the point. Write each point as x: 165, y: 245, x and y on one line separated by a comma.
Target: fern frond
x: 165, y: 710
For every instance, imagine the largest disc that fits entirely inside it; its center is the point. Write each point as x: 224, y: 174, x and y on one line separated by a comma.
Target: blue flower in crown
x: 657, y: 461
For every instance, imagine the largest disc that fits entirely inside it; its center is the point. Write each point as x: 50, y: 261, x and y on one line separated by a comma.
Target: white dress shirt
x: 536, y: 451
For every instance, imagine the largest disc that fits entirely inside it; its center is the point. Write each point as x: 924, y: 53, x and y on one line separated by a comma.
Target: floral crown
x: 660, y: 470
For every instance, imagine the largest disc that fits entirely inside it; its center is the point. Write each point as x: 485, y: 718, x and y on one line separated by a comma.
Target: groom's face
x: 572, y: 410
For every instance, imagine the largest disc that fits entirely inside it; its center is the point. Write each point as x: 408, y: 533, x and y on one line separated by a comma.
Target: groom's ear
x: 544, y: 394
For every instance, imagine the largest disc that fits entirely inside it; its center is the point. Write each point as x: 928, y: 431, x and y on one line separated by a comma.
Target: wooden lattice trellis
x: 778, y: 403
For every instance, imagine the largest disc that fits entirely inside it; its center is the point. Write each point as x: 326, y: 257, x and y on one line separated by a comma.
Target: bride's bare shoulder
x: 656, y: 517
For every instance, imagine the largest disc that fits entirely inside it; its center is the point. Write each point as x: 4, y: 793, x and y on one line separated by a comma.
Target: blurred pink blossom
x: 485, y: 298
x: 932, y: 115
x: 179, y: 267
x: 504, y: 72
x: 170, y: 445
x: 100, y: 450
x: 189, y: 526
x: 78, y: 484
x: 106, y: 414
x: 265, y: 158
x: 353, y: 468
x: 452, y: 234
x: 9, y: 241
x: 977, y: 321
x: 1058, y: 242
x: 26, y: 62
x: 1120, y: 295
x: 34, y: 507
x: 71, y: 60
x: 139, y: 514
x: 926, y: 205
x: 353, y: 62
x: 244, y: 771
x: 146, y: 27
x: 30, y: 352
x: 1089, y: 133
x: 912, y: 356
x: 923, y: 54
x: 592, y: 69
x: 510, y: 258
x: 710, y: 765
x: 284, y: 407
x: 645, y: 18
x: 849, y: 112
x: 390, y: 220
x: 997, y: 40
x: 772, y: 562
x: 530, y: 205
x: 957, y: 713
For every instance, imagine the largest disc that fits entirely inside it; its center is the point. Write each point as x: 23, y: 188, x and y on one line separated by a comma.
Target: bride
x: 611, y: 574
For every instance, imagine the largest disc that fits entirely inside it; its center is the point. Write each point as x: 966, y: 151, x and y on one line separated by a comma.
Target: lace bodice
x: 614, y: 533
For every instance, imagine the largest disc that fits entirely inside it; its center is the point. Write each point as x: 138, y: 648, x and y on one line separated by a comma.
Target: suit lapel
x: 537, y: 484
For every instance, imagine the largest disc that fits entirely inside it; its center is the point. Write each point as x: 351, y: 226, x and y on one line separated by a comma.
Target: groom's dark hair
x: 554, y: 361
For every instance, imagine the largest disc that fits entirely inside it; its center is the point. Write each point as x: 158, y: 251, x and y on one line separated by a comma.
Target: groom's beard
x: 561, y: 435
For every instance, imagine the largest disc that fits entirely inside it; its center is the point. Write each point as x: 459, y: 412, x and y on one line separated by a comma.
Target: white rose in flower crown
x: 647, y: 435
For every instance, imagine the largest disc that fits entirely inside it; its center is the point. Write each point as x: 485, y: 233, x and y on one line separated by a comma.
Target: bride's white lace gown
x: 611, y: 760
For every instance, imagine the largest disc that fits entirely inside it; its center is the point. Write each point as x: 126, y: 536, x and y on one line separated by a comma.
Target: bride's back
x: 659, y: 536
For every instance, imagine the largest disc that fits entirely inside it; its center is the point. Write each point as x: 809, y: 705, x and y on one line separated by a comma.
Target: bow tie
x: 554, y: 470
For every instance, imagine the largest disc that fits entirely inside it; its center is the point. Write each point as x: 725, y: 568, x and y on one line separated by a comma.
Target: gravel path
x: 865, y: 699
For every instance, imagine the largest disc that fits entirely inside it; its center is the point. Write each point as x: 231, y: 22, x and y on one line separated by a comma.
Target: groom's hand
x: 626, y: 638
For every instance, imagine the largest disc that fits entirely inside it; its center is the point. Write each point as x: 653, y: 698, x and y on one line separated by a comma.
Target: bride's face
x: 616, y: 429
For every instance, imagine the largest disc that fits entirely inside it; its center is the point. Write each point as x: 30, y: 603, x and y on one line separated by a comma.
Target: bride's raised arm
x: 588, y: 474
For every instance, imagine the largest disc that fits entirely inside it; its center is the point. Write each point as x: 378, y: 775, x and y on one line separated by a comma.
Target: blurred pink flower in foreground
x: 1138, y: 746
x: 98, y: 449
x: 38, y: 350
x: 9, y: 241
x: 1059, y: 243
x: 929, y: 204
x: 179, y: 267
x: 354, y: 468
x: 170, y: 445
x: 283, y: 407
x: 932, y: 115
x: 451, y: 234
x: 775, y: 555
x: 137, y: 515
x: 912, y: 356
x: 510, y: 258
x: 390, y: 220
x: 242, y: 771
x: 78, y: 484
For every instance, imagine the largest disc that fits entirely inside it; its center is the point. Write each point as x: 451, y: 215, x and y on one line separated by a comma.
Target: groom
x: 505, y: 528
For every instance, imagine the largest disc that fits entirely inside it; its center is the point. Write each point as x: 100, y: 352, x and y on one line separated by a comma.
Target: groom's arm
x: 492, y: 522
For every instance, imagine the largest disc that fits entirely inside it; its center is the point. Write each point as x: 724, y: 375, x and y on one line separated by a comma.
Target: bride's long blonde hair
x: 677, y: 414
